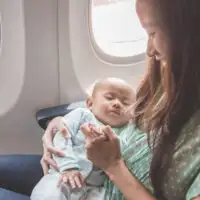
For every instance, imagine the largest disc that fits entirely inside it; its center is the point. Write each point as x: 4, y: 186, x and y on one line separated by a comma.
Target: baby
x: 78, y: 178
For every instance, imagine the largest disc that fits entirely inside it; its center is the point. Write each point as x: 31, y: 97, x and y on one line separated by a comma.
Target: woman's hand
x: 103, y: 149
x: 102, y: 146
x: 48, y: 148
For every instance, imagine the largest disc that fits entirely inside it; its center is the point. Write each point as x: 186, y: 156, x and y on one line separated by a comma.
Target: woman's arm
x: 53, y: 126
x: 130, y: 187
x: 48, y: 148
x: 110, y: 160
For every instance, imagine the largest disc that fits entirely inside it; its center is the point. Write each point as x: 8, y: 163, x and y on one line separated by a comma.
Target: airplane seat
x: 9, y: 195
x: 20, y: 173
x: 44, y: 116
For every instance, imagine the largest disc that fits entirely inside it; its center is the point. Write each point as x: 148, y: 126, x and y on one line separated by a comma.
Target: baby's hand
x: 72, y: 177
x: 92, y: 132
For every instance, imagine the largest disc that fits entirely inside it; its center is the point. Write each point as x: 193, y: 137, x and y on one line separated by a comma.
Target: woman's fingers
x: 48, y: 146
x: 47, y: 160
x: 50, y: 132
x: 45, y: 167
x: 101, y: 138
x: 65, y: 133
x: 48, y: 136
x: 55, y: 151
x: 110, y: 134
x: 97, y: 131
x: 63, y: 129
x: 51, y: 162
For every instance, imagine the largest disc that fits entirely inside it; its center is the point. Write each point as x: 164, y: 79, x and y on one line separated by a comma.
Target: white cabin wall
x: 19, y: 130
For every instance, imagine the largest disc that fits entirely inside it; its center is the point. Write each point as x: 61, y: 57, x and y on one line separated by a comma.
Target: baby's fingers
x: 72, y: 182
x: 60, y: 181
x: 78, y: 182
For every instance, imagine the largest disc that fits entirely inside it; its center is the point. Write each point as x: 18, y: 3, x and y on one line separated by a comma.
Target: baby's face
x: 111, y: 103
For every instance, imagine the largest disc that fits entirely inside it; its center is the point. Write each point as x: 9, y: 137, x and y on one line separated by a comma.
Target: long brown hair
x: 166, y: 99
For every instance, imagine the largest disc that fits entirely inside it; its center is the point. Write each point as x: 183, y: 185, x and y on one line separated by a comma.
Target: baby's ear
x: 89, y: 102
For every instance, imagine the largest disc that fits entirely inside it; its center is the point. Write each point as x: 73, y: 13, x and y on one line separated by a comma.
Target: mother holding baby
x: 167, y: 109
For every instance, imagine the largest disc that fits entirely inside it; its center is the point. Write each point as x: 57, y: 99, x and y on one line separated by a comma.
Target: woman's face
x: 157, y: 42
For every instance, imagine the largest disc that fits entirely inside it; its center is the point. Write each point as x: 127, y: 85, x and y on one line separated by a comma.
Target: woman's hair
x: 169, y: 95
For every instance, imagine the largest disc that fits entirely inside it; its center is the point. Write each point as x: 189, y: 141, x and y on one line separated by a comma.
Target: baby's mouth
x: 116, y: 112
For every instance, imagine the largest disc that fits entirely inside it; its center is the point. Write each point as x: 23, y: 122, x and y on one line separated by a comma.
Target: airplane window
x: 116, y: 29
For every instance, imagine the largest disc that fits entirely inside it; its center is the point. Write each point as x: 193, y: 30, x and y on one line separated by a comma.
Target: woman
x: 167, y: 108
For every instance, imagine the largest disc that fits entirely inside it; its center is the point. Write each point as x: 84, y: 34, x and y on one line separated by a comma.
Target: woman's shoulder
x: 194, y: 121
x: 188, y: 144
x: 185, y: 164
x: 191, y: 130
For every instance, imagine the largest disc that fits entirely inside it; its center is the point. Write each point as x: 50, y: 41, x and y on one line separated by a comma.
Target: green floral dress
x: 183, y: 177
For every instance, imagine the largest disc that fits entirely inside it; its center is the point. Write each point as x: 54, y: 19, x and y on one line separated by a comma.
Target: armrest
x: 20, y: 173
x: 45, y: 115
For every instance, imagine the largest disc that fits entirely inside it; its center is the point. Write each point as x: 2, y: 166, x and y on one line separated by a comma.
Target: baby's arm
x: 68, y: 161
x: 68, y: 165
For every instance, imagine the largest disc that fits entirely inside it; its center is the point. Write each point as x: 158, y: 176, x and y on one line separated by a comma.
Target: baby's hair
x: 99, y: 82
x: 93, y: 86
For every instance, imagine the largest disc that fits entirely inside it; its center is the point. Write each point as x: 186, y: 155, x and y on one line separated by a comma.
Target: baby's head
x: 110, y: 100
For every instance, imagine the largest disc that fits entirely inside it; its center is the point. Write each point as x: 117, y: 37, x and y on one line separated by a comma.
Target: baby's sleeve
x: 194, y: 190
x: 69, y: 161
x: 73, y: 121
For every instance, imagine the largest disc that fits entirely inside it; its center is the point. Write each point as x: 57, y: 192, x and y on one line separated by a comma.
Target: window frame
x: 103, y: 56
